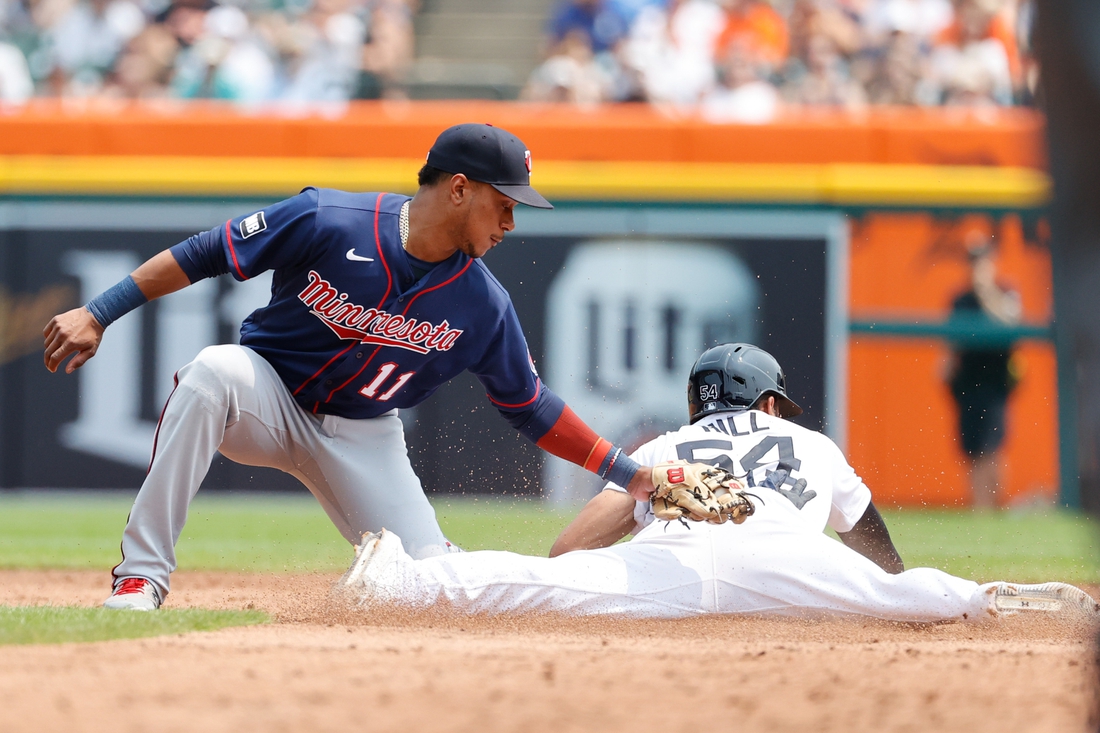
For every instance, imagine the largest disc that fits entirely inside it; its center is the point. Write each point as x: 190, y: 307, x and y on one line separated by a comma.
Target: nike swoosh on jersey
x: 357, y: 258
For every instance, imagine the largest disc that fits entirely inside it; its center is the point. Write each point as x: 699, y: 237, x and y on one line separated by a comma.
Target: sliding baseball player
x: 778, y: 561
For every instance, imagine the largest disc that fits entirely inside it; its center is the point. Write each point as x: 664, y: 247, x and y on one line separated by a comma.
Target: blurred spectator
x: 220, y: 56
x: 981, y: 379
x: 680, y: 52
x: 144, y: 69
x: 86, y: 40
x: 627, y: 82
x: 838, y: 22
x: 901, y: 74
x: 572, y: 74
x: 976, y: 55
x: 388, y: 52
x: 1029, y: 60
x: 16, y: 86
x: 330, y: 56
x: 758, y: 27
x: 923, y: 19
x: 186, y: 21
x: 673, y: 50
x: 743, y: 93
x: 628, y: 10
x: 820, y: 77
x: 599, y: 20
x: 970, y: 83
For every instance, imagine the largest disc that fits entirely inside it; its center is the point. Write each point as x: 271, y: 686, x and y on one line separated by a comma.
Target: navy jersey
x: 350, y: 329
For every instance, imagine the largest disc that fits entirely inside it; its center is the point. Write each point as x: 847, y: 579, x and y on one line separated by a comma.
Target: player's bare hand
x: 74, y: 332
x: 641, y: 486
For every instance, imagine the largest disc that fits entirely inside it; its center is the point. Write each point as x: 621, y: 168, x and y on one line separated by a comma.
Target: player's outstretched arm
x: 80, y: 330
x: 570, y: 438
x: 604, y: 520
x: 870, y: 538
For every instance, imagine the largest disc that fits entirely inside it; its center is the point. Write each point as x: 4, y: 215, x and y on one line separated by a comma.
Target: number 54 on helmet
x: 734, y: 377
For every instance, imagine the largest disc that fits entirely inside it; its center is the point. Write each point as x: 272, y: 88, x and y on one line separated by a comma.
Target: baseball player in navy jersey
x: 778, y: 562
x: 377, y: 300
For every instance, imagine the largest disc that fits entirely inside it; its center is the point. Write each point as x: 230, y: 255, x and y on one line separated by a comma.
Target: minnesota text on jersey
x: 373, y: 325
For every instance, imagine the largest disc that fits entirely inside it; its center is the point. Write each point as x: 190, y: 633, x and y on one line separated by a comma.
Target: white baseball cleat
x: 363, y: 553
x: 374, y: 575
x: 134, y: 594
x: 1011, y: 598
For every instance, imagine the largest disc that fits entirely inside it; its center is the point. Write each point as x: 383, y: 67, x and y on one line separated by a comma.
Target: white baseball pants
x: 676, y: 571
x: 230, y: 399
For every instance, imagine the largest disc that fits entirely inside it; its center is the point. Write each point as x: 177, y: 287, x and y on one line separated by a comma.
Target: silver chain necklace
x: 403, y: 225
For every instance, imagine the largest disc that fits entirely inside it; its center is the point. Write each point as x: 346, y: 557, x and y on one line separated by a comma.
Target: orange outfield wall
x: 554, y: 132
x: 901, y: 432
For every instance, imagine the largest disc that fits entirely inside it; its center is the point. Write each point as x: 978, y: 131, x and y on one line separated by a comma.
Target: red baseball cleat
x: 134, y: 594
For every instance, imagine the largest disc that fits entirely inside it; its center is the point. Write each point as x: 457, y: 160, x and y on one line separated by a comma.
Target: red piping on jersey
x: 389, y: 285
x: 450, y: 280
x: 538, y: 389
x: 352, y: 377
x: 381, y: 254
x: 233, y: 252
x: 318, y: 372
x: 437, y: 287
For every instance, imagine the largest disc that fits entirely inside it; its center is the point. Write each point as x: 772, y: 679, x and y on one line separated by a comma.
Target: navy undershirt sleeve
x: 536, y: 419
x: 201, y: 256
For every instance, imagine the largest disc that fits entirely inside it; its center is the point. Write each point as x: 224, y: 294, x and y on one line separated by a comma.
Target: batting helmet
x: 733, y: 377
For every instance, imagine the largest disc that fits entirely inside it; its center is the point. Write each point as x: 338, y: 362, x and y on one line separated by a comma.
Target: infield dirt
x: 319, y: 669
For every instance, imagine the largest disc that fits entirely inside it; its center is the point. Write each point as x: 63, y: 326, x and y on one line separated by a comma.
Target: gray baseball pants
x: 230, y: 399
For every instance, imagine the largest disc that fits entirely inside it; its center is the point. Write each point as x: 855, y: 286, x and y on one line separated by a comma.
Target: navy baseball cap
x: 490, y: 155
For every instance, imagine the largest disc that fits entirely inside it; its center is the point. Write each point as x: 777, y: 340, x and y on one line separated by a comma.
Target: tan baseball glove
x: 699, y: 492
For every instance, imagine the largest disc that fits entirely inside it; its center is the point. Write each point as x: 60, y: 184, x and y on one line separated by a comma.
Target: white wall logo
x: 253, y: 224
x: 622, y: 331
x: 108, y: 422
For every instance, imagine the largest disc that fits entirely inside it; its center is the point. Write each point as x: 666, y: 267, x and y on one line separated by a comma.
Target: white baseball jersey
x: 799, y: 475
x: 778, y: 562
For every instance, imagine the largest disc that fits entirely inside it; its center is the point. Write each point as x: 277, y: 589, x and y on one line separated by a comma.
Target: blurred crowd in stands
x: 249, y: 51
x: 736, y: 60
x: 741, y: 60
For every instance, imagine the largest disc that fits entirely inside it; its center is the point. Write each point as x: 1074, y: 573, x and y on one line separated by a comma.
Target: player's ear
x: 460, y: 189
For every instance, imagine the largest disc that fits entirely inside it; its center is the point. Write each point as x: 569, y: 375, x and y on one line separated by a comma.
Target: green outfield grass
x: 261, y: 533
x: 55, y: 625
x: 265, y: 533
x: 1025, y: 546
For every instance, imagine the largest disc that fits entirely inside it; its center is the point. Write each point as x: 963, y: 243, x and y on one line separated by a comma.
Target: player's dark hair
x: 429, y: 176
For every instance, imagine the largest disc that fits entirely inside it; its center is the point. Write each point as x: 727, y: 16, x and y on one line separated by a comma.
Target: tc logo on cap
x: 488, y: 155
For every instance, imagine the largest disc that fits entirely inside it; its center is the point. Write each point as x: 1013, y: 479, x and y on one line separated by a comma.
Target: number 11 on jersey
x: 383, y: 374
